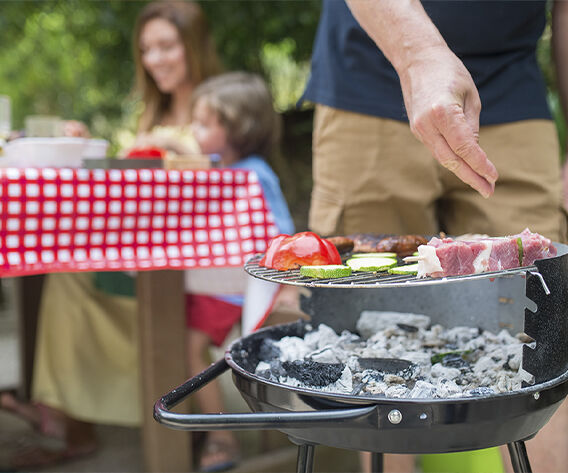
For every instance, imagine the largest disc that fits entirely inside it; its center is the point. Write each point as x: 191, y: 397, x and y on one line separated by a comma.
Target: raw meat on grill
x: 449, y: 257
x: 535, y: 247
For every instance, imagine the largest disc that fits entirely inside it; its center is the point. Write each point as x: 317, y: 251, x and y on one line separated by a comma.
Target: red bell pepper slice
x: 304, y: 248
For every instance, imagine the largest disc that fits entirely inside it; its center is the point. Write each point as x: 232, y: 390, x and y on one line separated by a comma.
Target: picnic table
x: 154, y: 221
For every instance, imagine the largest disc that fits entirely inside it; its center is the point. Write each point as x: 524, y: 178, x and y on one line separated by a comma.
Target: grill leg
x: 519, y: 457
x: 377, y: 465
x: 305, y: 459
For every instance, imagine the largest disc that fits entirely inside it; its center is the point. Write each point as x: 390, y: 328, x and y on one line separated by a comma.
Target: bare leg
x: 81, y: 438
x: 221, y: 445
x: 392, y: 463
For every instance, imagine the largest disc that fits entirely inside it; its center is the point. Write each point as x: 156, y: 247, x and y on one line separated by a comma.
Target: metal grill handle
x: 242, y: 421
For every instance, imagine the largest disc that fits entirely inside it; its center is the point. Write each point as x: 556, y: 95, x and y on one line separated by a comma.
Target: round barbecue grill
x: 531, y: 299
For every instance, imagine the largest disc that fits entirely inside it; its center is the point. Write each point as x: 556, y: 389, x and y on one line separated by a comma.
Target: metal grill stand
x: 490, y: 301
x: 517, y: 453
x: 282, y: 421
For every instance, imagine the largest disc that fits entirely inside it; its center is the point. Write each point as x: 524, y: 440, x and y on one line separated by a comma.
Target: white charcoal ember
x: 460, y: 335
x: 419, y: 358
x: 292, y: 348
x: 422, y: 389
x: 375, y: 387
x: 323, y: 337
x: 404, y: 357
x: 325, y: 355
x: 440, y: 371
x: 447, y: 388
x: 345, y: 383
x: 397, y: 391
x: 372, y: 321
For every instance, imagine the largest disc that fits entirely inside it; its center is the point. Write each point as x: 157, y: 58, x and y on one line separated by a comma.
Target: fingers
x: 463, y: 140
x: 454, y: 143
x: 446, y: 156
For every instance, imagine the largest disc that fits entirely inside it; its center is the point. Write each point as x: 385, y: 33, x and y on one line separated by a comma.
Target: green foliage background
x: 73, y: 58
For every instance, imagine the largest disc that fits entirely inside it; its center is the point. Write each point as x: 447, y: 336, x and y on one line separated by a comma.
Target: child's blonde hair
x: 244, y: 108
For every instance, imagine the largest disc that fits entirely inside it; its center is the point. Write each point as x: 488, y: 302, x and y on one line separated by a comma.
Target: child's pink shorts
x: 211, y: 316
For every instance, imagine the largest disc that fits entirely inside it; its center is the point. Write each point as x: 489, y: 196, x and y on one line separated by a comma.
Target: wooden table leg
x: 28, y: 296
x: 162, y: 335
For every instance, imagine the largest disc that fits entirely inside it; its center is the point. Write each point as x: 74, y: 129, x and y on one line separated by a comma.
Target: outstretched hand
x: 443, y: 109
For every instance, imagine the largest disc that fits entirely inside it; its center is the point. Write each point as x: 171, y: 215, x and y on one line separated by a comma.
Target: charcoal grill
x: 531, y: 299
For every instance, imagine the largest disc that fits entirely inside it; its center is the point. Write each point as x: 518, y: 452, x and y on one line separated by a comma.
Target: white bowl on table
x: 95, y: 149
x: 44, y: 152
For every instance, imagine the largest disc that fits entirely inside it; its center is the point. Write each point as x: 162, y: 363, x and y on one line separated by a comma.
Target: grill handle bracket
x: 245, y: 421
x: 542, y: 281
x: 548, y: 325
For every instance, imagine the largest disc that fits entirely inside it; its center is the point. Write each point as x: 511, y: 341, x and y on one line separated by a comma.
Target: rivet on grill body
x: 395, y: 417
x: 536, y: 396
x: 423, y: 416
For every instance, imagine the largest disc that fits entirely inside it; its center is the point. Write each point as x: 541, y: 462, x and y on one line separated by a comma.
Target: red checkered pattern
x: 135, y: 219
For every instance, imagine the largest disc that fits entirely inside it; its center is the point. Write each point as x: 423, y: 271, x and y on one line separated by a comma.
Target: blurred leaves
x: 545, y: 60
x: 287, y: 77
x: 73, y: 58
x: 67, y: 58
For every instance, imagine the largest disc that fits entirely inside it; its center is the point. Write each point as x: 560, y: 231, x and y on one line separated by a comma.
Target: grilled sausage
x: 364, y: 243
x: 343, y: 244
x: 402, y: 245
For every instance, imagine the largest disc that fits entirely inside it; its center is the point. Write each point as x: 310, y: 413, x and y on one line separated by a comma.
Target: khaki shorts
x: 372, y: 175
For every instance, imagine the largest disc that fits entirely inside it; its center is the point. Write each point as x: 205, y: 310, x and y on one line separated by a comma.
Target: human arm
x: 560, y: 55
x: 76, y: 129
x: 440, y: 96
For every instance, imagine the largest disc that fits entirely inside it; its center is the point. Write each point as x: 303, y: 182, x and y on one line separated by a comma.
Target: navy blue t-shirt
x: 496, y: 40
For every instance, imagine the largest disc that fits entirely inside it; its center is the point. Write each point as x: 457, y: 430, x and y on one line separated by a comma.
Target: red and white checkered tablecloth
x: 134, y: 219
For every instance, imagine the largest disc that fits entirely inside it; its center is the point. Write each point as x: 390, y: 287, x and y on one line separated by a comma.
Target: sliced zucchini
x: 371, y: 264
x: 325, y: 271
x: 385, y: 254
x: 521, y: 250
x: 405, y: 269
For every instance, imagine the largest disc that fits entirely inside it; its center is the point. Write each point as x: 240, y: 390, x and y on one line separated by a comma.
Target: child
x: 232, y: 117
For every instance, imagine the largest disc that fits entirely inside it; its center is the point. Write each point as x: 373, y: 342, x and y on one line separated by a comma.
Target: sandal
x: 40, y: 417
x: 218, y: 455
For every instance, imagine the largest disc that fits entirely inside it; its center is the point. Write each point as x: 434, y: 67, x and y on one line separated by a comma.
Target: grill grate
x: 365, y: 279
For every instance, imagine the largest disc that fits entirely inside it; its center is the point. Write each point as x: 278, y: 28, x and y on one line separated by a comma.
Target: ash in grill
x: 397, y: 355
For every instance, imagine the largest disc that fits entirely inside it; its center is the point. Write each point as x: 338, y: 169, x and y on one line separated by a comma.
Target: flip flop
x: 41, y: 419
x: 226, y: 451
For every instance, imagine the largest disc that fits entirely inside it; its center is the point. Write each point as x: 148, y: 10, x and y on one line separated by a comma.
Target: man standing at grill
x: 464, y: 76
